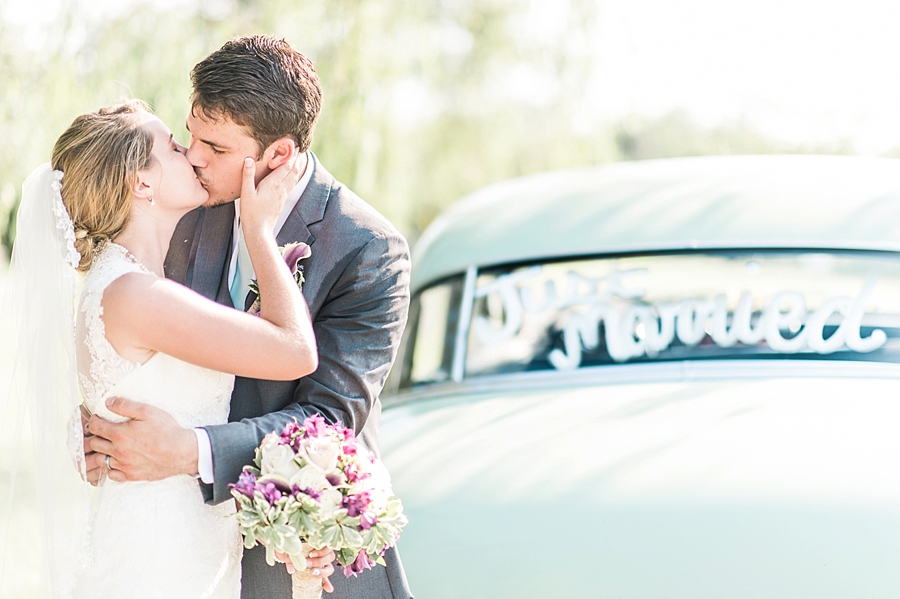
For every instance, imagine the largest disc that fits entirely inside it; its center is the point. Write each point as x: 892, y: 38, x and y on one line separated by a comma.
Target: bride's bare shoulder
x: 137, y: 306
x: 135, y: 291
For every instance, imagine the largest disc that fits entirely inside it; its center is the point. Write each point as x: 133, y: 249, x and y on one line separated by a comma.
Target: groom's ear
x: 279, y: 152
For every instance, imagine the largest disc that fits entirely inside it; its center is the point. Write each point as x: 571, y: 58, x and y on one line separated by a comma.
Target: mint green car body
x: 697, y: 469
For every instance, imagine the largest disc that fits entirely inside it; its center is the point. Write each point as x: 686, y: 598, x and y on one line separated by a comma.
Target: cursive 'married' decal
x: 647, y: 329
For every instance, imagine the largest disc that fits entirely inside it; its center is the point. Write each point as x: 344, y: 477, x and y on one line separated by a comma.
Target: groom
x: 256, y: 96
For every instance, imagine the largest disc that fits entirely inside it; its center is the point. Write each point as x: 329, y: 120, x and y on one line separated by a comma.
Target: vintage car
x: 661, y: 379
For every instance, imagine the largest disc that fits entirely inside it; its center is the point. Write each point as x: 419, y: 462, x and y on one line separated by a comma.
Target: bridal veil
x: 40, y: 391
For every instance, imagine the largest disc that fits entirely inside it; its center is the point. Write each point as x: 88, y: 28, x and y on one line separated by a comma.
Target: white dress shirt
x: 204, y: 460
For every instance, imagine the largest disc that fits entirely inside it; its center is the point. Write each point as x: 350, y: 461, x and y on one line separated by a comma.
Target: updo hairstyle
x: 99, y: 155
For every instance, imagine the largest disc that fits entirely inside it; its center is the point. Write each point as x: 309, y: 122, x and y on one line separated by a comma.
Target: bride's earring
x: 152, y: 201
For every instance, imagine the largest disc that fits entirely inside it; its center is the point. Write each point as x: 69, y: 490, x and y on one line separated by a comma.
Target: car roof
x: 673, y: 204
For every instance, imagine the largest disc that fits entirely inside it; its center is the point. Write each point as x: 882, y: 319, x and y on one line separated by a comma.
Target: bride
x: 107, y: 206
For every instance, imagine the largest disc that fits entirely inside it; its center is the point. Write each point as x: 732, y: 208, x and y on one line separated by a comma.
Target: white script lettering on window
x: 648, y: 329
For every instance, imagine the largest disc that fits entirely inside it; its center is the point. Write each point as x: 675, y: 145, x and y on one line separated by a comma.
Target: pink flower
x: 308, y: 491
x: 315, y: 426
x: 291, y: 434
x: 362, y: 563
x: 295, y: 252
x: 355, y: 504
x: 270, y: 492
x: 354, y: 474
x: 292, y: 253
x: 367, y: 520
x: 246, y: 484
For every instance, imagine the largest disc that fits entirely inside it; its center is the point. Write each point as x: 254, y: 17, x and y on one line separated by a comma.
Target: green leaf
x: 346, y: 556
x: 330, y: 535
x: 375, y: 544
x: 298, y: 559
x: 352, y: 538
x: 248, y: 519
x: 292, y: 545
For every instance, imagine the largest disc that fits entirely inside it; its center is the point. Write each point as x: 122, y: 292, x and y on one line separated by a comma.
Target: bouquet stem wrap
x: 303, y: 584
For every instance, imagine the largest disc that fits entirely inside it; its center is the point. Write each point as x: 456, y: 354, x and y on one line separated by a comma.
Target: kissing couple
x: 179, y: 382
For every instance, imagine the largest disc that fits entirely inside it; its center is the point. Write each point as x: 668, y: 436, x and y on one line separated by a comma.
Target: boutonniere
x: 292, y: 253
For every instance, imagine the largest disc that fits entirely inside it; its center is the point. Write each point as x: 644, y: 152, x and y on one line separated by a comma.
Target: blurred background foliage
x: 424, y: 101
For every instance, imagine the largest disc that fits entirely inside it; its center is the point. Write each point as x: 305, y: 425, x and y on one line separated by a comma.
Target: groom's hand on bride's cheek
x: 151, y: 445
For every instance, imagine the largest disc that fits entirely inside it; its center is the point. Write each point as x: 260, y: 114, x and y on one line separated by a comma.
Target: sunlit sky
x: 810, y: 72
x: 805, y: 72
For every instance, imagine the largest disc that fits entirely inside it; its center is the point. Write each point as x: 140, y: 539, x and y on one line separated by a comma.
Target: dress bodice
x: 193, y: 395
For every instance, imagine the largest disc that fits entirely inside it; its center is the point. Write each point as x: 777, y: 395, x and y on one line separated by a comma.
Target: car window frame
x: 467, y: 298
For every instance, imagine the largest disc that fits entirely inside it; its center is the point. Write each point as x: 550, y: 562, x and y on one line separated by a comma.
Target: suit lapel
x: 179, y: 263
x: 310, y: 208
x: 213, y: 250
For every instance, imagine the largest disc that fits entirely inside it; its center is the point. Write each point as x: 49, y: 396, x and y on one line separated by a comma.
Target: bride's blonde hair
x: 100, y: 154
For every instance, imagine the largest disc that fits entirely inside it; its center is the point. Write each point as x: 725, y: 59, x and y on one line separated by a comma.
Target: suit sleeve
x: 358, y: 331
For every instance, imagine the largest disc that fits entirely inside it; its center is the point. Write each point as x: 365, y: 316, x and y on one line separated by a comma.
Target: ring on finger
x: 106, y: 463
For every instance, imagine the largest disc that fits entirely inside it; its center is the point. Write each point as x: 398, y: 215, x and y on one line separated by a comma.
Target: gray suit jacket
x: 357, y: 288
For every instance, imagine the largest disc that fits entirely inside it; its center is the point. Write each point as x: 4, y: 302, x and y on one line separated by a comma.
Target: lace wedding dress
x: 152, y: 539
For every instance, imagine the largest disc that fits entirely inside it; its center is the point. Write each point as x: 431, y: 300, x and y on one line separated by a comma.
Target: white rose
x: 378, y: 485
x: 321, y: 452
x: 330, y: 500
x: 309, y: 477
x: 380, y: 475
x: 279, y: 460
x: 269, y: 442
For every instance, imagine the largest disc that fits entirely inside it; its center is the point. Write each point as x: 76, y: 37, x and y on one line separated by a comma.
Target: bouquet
x: 313, y: 486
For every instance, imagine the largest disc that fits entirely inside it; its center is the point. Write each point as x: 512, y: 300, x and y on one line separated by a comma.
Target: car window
x: 431, y: 333
x: 573, y: 314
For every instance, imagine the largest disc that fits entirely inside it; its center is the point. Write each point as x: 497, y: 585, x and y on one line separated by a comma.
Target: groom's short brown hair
x: 263, y: 84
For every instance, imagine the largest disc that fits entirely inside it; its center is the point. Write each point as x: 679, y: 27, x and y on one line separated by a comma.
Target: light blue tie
x: 243, y: 271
